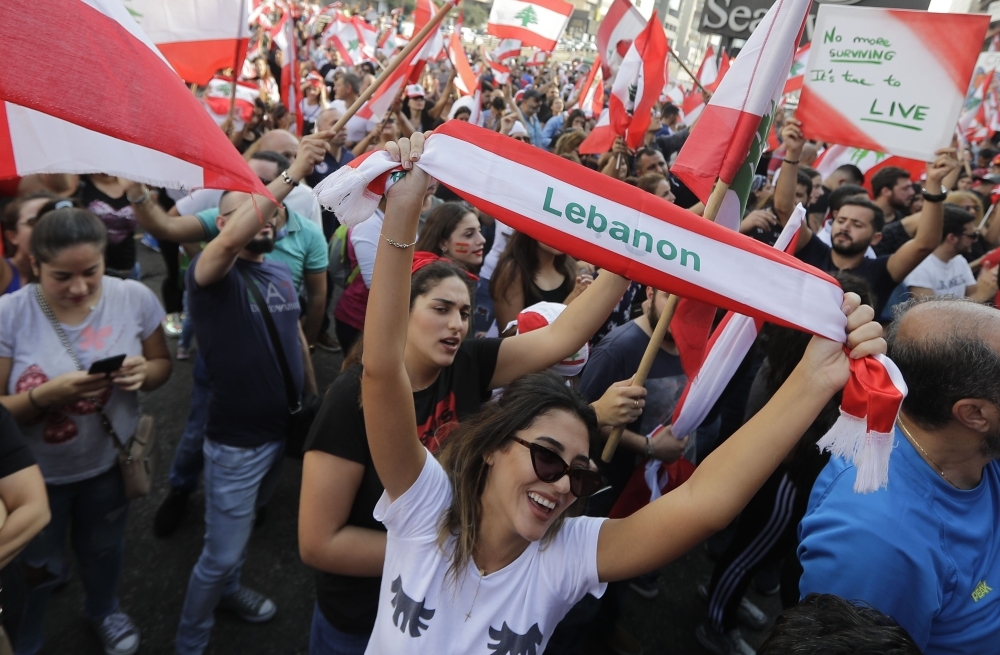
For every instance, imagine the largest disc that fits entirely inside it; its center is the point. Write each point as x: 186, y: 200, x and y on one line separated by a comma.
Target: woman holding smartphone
x: 51, y: 333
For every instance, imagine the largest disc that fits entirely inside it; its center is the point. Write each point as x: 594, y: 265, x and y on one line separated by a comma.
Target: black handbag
x: 302, y: 410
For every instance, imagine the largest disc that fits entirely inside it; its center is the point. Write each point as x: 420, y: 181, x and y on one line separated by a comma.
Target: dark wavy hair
x: 441, y: 222
x: 519, y: 262
x: 464, y: 454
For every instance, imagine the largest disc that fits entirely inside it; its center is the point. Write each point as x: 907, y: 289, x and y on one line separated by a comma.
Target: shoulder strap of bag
x: 54, y: 322
x: 294, y: 403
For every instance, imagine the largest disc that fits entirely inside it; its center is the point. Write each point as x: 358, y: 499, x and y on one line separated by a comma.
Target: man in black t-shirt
x: 859, y: 225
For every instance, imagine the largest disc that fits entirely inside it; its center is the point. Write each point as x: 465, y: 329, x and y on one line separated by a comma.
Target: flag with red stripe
x: 730, y: 123
x: 507, y: 48
x: 637, y: 87
x: 537, y: 23
x: 591, y: 100
x: 618, y: 29
x: 119, y: 110
x: 465, y: 79
x: 198, y: 38
x: 797, y: 72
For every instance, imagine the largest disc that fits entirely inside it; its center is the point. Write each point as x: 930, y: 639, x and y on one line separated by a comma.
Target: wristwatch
x: 935, y: 197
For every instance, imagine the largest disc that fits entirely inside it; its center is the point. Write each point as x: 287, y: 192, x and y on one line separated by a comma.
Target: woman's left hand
x: 132, y: 374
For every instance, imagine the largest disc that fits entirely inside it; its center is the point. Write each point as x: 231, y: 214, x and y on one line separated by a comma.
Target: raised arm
x: 928, y: 236
x: 539, y: 349
x: 726, y: 481
x: 160, y: 224
x: 784, y: 190
x: 247, y: 219
x: 386, y: 395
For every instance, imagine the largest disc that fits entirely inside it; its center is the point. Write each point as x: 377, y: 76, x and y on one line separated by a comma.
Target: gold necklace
x: 482, y: 574
x: 909, y: 436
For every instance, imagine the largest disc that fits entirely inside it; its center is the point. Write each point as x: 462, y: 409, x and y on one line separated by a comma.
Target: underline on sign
x: 909, y: 127
x: 855, y: 61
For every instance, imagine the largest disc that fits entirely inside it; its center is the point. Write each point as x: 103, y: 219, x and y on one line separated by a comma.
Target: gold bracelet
x: 396, y: 244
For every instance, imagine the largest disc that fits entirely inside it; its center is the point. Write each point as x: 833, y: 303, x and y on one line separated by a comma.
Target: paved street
x: 156, y: 571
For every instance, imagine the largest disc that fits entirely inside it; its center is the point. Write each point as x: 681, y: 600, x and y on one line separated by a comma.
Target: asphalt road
x: 156, y: 570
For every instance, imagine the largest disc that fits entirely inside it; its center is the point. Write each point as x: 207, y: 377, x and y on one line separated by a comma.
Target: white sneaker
x: 729, y: 643
x: 118, y: 634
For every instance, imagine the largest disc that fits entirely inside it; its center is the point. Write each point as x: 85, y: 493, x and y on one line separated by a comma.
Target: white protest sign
x: 889, y: 80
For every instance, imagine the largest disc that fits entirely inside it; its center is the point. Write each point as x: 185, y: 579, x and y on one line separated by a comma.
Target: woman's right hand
x: 412, y: 186
x: 70, y: 387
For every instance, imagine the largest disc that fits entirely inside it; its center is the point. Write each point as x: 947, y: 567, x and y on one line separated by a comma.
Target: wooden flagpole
x: 660, y: 331
x: 687, y: 70
x: 416, y: 41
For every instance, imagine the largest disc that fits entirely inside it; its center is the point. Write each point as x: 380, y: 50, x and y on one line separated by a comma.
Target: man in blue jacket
x: 925, y: 550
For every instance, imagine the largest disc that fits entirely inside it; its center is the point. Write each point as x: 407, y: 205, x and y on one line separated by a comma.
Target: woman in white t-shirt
x: 65, y: 412
x: 480, y: 555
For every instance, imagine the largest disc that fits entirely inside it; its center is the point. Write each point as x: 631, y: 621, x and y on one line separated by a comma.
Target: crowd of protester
x: 443, y: 525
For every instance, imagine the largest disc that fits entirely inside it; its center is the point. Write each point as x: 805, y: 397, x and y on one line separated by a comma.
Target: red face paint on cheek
x: 461, y: 247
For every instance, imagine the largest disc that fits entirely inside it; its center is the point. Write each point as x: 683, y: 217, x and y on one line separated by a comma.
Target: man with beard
x: 248, y: 412
x: 859, y: 225
x: 893, y: 192
x: 946, y: 272
x: 926, y: 549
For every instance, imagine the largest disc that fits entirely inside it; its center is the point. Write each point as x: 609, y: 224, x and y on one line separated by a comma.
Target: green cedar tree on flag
x: 537, y: 23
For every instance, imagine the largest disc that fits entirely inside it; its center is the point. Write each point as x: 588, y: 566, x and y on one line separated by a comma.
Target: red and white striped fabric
x: 797, y: 72
x: 675, y: 95
x: 868, y: 161
x: 537, y: 58
x: 197, y: 37
x: 719, y: 142
x: 465, y: 80
x: 591, y: 100
x: 390, y: 42
x: 353, y: 38
x: 601, y: 138
x: 217, y: 94
x: 507, y: 48
x: 637, y: 86
x: 644, y: 238
x: 618, y: 29
x: 131, y: 116
x: 501, y: 73
x: 725, y: 351
x: 434, y: 49
x: 537, y: 23
x: 284, y: 38
x: 709, y: 75
x: 974, y: 122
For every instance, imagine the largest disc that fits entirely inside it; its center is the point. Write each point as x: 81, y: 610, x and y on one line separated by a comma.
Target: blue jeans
x: 187, y: 325
x: 188, y: 458
x: 324, y: 639
x: 94, y: 512
x: 237, y: 482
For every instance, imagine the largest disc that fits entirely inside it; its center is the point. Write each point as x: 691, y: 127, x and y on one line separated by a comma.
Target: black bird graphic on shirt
x: 413, y: 613
x: 511, y: 643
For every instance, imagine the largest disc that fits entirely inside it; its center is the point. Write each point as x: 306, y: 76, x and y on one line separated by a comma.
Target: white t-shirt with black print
x: 511, y: 611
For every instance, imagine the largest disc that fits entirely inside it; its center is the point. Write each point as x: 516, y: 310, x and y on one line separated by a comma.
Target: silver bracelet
x: 141, y: 199
x: 287, y: 179
x: 396, y: 244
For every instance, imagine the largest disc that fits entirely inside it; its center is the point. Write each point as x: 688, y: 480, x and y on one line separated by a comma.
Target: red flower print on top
x: 59, y: 427
x: 92, y: 339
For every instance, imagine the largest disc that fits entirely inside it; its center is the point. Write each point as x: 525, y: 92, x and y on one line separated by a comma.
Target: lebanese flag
x: 618, y: 29
x: 389, y: 42
x: 501, y: 73
x: 591, y: 100
x: 600, y: 139
x: 216, y: 99
x: 408, y: 72
x: 641, y: 77
x: 610, y: 224
x: 973, y: 123
x: 868, y: 161
x: 725, y: 61
x: 353, y: 38
x: 676, y: 96
x: 797, y: 73
x: 537, y: 59
x: 367, y: 38
x: 507, y: 48
x: 197, y: 37
x: 721, y: 139
x: 709, y: 77
x: 537, y: 23
x: 120, y: 110
x: 465, y: 80
x: 284, y: 38
x: 435, y: 48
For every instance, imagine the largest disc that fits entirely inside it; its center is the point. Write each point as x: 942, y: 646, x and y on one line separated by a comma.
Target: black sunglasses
x: 550, y: 467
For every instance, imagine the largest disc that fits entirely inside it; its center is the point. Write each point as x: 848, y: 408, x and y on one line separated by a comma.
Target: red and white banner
x: 465, y: 79
x: 721, y: 139
x: 434, y: 48
x: 61, y: 112
x: 889, y: 80
x: 591, y: 100
x: 218, y: 92
x: 798, y: 70
x: 710, y: 75
x: 618, y: 29
x: 507, y: 48
x: 537, y: 23
x: 636, y: 89
x: 868, y: 162
x: 644, y: 238
x: 197, y: 37
x: 537, y: 58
